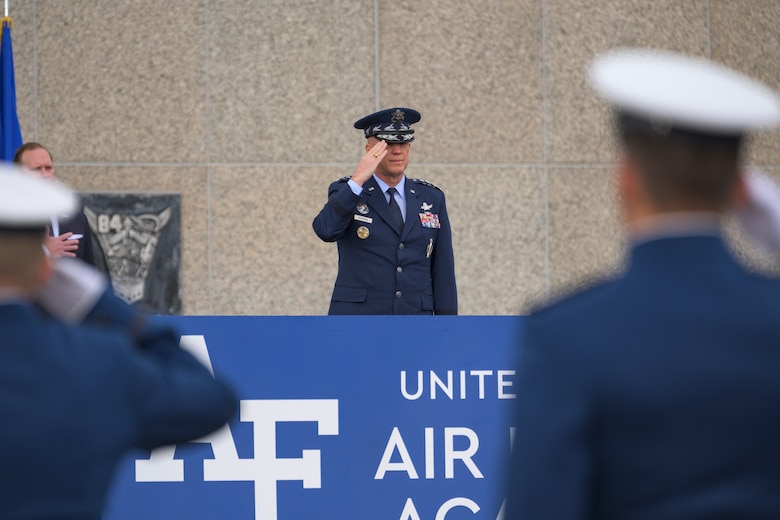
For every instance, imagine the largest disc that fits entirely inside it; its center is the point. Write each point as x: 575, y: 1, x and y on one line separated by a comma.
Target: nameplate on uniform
x: 430, y: 220
x: 361, y: 218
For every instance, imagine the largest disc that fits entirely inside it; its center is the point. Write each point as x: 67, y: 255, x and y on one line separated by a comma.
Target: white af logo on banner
x: 265, y: 469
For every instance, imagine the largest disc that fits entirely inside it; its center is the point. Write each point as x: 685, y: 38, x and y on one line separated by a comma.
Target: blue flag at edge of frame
x: 11, y: 133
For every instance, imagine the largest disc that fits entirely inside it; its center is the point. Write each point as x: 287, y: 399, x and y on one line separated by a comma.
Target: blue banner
x: 403, y: 418
x: 11, y: 133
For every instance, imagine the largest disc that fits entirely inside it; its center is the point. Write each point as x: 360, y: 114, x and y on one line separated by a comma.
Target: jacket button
x: 401, y: 245
x: 399, y: 269
x: 398, y: 294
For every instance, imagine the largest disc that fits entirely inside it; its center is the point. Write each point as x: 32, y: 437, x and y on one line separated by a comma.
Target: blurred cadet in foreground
x: 83, y: 378
x: 69, y: 235
x: 656, y: 395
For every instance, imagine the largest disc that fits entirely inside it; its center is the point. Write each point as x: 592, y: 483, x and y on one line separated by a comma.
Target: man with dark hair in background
x: 69, y: 235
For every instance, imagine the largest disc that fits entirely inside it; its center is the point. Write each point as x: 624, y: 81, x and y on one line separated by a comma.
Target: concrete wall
x: 246, y: 108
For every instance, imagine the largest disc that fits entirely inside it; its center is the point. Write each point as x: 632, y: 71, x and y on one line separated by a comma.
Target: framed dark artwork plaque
x: 137, y: 239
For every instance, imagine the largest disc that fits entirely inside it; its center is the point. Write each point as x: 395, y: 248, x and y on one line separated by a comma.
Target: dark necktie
x: 395, y: 209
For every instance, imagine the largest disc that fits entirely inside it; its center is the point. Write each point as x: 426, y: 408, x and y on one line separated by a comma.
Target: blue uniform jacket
x: 75, y: 399
x: 380, y: 270
x: 655, y: 396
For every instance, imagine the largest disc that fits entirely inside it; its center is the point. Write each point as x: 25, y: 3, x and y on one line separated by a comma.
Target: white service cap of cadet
x: 677, y: 90
x: 29, y: 201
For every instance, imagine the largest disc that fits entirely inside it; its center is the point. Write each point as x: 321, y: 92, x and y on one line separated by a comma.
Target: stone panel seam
x: 709, y: 30
x: 208, y: 136
x: 35, y: 69
x: 545, y: 149
x: 209, y: 165
x: 377, y: 83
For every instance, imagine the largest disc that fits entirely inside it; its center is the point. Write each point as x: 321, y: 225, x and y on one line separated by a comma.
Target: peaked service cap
x: 28, y: 202
x: 393, y: 125
x: 677, y: 91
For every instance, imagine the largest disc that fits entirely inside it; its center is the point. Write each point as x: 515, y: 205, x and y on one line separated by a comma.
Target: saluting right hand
x: 369, y: 162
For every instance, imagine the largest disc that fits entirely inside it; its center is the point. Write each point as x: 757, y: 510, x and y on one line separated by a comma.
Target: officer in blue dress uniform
x: 83, y: 377
x: 656, y: 395
x: 393, y: 232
